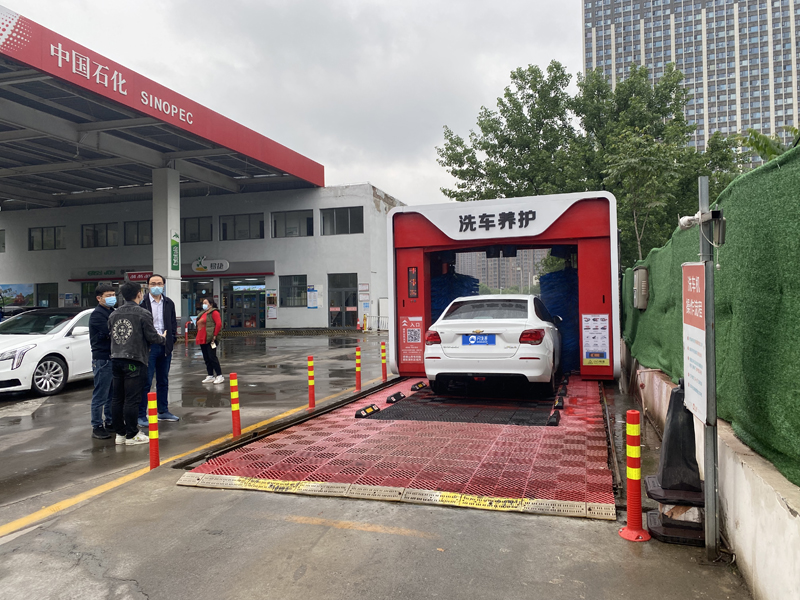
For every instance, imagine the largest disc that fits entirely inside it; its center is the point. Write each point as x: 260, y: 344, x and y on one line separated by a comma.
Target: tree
x: 769, y: 147
x: 523, y: 148
x: 644, y: 170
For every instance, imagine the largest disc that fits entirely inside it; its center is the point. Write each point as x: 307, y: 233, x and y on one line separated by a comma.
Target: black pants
x: 212, y: 362
x: 129, y: 379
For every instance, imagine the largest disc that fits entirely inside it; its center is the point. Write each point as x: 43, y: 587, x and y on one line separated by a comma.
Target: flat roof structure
x: 78, y: 128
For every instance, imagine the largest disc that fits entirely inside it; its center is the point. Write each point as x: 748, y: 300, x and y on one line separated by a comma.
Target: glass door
x: 343, y: 299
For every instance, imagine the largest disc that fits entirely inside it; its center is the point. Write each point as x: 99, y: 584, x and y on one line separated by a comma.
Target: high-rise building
x: 739, y: 59
x: 504, y: 272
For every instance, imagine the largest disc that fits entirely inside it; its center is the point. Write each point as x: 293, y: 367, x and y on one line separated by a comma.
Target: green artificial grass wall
x: 757, y: 310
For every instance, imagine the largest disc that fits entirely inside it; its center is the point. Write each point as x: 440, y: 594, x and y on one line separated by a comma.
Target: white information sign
x: 312, y: 297
x: 595, y: 330
x: 694, y: 339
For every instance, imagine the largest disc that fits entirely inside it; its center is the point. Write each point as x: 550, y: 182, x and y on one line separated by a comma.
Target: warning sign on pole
x: 694, y: 339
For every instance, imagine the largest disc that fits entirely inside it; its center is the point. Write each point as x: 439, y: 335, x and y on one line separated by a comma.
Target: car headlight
x: 16, y: 355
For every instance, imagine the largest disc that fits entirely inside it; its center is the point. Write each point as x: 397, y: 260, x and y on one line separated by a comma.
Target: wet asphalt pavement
x: 149, y: 538
x: 50, y: 454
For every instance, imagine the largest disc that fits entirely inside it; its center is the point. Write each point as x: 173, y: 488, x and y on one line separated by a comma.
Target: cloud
x: 363, y: 87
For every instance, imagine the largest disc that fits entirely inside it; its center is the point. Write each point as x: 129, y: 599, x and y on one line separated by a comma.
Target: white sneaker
x: 208, y: 379
x: 120, y: 439
x: 139, y: 438
x: 219, y: 379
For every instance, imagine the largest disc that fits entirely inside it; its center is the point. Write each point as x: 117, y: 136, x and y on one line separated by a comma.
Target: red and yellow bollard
x: 311, y: 401
x: 235, y: 417
x: 633, y: 531
x: 152, y: 421
x: 383, y: 361
x: 358, y: 368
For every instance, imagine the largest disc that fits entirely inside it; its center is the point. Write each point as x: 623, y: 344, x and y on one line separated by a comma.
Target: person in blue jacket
x: 100, y: 341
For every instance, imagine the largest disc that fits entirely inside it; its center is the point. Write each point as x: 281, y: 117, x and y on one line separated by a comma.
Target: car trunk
x: 506, y: 334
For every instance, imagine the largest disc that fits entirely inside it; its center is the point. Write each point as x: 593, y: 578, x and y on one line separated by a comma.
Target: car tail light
x: 432, y: 337
x: 533, y: 337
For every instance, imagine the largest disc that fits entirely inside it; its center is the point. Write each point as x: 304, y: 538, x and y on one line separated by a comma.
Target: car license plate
x: 485, y: 339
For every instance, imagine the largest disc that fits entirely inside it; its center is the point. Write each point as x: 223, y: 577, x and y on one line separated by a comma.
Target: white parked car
x: 480, y: 337
x: 42, y: 349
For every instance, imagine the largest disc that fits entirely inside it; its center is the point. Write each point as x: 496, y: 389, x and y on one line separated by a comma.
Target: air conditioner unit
x: 641, y: 287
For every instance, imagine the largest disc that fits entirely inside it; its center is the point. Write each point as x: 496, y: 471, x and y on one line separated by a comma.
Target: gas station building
x: 106, y: 175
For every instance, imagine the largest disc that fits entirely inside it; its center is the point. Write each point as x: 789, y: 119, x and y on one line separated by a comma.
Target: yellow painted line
x: 49, y: 511
x: 357, y: 526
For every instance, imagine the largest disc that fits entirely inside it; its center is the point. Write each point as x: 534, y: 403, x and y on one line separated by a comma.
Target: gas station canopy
x: 77, y: 128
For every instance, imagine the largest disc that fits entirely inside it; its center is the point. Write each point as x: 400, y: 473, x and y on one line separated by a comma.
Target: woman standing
x: 209, y: 324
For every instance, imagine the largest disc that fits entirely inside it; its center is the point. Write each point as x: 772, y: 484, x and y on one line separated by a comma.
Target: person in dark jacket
x: 132, y: 333
x: 100, y: 341
x: 160, y: 359
x: 209, y: 325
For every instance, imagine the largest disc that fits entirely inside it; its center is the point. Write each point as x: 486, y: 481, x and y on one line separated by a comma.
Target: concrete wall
x: 314, y: 257
x: 759, y: 507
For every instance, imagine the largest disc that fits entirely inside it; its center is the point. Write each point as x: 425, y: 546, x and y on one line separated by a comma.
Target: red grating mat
x: 550, y: 470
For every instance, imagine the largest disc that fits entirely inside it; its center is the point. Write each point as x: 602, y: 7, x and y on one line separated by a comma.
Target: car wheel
x: 548, y: 390
x: 50, y: 376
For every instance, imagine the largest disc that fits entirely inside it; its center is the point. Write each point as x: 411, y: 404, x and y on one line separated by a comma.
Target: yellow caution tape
x: 635, y: 451
x: 633, y: 429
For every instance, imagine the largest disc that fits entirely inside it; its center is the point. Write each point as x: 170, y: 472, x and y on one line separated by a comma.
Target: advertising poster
x: 17, y: 294
x: 411, y: 343
x: 312, y: 297
x: 595, y: 330
x: 694, y: 339
x: 272, y: 304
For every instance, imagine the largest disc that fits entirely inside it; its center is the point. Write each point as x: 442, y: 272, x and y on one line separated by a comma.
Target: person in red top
x: 209, y: 325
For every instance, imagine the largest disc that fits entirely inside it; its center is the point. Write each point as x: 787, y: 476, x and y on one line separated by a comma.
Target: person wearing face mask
x: 132, y: 333
x: 100, y: 341
x: 209, y: 325
x: 164, y: 319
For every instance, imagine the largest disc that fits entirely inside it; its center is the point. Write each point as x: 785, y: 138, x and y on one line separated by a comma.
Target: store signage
x: 104, y: 272
x: 210, y: 265
x: 175, y: 250
x: 501, y: 220
x: 138, y: 276
x: 507, y: 218
x: 694, y: 339
x: 28, y: 42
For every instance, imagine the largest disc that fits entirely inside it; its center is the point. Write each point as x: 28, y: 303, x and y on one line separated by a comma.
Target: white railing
x: 376, y: 323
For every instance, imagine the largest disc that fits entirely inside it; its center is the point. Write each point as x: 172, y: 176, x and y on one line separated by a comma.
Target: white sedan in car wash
x: 42, y: 349
x: 481, y: 337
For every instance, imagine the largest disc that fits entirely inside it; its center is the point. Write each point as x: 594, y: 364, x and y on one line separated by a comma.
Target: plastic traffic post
x: 152, y: 421
x: 358, y: 369
x: 311, y: 401
x: 237, y: 422
x: 633, y: 531
x: 383, y: 361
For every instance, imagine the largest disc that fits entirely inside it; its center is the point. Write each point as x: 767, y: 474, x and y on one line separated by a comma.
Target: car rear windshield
x: 32, y: 323
x: 487, y: 309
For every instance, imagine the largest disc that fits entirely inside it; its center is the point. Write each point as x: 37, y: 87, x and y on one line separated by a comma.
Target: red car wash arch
x: 587, y: 221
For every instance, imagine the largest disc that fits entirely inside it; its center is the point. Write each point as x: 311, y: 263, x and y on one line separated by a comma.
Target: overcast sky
x: 362, y: 86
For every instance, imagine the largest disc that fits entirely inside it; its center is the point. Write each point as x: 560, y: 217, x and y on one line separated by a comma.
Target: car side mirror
x: 557, y: 320
x: 78, y: 331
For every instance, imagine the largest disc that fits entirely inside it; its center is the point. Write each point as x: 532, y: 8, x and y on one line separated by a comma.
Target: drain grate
x: 427, y: 406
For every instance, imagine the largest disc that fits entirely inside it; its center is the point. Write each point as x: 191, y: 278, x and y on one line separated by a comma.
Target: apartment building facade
x: 739, y: 58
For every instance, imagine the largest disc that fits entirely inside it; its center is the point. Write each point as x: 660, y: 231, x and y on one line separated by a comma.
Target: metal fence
x: 376, y: 323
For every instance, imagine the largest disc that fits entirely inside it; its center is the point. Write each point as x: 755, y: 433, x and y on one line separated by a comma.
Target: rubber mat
x: 544, y: 470
x: 427, y: 406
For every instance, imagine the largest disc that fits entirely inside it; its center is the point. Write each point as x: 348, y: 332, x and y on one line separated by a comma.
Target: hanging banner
x: 175, y: 250
x: 694, y: 339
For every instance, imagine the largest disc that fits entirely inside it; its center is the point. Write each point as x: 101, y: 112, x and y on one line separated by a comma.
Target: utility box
x: 641, y: 287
